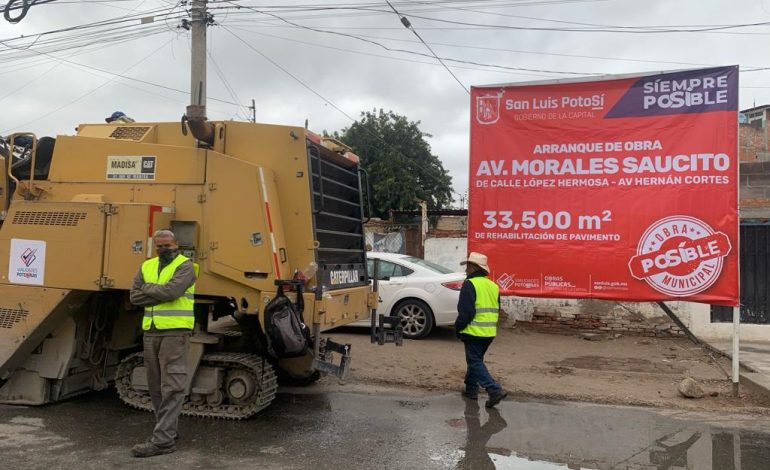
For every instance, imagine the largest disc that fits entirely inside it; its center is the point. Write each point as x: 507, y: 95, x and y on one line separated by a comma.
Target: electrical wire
x: 323, y: 98
x: 28, y: 83
x: 24, y: 7
x: 227, y: 85
x: 85, y: 26
x: 628, y: 29
x: 364, y: 38
x: 380, y: 56
x: 405, y: 51
x: 284, y: 70
x: 391, y: 49
x: 408, y: 25
x: 110, y: 80
x: 370, y: 9
x: 119, y: 75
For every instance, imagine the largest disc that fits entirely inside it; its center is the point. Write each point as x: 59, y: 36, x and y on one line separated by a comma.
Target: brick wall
x: 752, y: 142
x: 557, y: 322
x: 594, y: 316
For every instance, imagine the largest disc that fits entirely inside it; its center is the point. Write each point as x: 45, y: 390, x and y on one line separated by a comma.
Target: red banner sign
x: 623, y: 189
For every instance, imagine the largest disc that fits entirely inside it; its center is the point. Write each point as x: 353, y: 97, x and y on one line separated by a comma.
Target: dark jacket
x: 466, y: 305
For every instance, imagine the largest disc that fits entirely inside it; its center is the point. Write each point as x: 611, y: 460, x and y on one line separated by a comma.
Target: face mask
x: 167, y: 255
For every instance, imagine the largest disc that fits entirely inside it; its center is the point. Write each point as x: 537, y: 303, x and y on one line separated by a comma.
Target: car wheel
x: 416, y: 318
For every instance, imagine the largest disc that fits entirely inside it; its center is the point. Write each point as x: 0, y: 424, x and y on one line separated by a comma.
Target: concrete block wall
x: 447, y: 252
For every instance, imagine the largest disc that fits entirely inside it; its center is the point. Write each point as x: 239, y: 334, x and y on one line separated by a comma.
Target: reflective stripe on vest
x: 177, y: 313
x: 484, y: 323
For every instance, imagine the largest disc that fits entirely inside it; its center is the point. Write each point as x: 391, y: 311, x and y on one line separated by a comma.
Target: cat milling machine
x: 254, y: 205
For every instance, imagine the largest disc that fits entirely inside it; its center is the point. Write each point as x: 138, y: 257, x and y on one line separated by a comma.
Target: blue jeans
x: 477, y: 374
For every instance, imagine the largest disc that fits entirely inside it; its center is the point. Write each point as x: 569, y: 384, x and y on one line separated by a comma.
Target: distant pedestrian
x: 165, y: 287
x: 477, y: 312
x: 119, y: 117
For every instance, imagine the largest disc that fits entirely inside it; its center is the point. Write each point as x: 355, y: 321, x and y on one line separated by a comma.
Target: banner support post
x: 679, y: 323
x: 736, y: 350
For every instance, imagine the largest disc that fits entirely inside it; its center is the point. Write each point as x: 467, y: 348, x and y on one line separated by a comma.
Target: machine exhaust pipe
x: 200, y: 127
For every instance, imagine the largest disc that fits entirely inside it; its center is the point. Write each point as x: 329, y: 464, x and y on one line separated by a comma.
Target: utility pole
x: 253, y: 109
x: 198, y: 48
x: 196, y: 111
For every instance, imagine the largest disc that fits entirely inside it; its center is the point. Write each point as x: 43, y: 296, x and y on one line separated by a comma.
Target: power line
x: 28, y: 83
x: 405, y: 51
x: 369, y: 9
x: 125, y: 77
x: 408, y: 25
x: 297, y: 79
x: 33, y: 57
x: 380, y: 56
x: 89, y: 92
x: 364, y: 38
x: 625, y: 29
x: 309, y: 88
x: 107, y: 22
x: 24, y: 7
x: 226, y: 84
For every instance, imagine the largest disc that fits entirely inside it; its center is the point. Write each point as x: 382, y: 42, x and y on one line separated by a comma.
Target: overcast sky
x: 327, y: 65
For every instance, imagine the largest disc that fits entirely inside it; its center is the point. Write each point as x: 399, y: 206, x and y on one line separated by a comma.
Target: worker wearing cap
x: 477, y: 312
x: 165, y: 287
x: 119, y: 117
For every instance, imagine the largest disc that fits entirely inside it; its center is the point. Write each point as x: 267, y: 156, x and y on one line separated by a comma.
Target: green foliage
x: 401, y: 167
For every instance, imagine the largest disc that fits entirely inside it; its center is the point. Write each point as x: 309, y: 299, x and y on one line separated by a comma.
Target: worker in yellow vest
x: 477, y: 312
x: 165, y: 287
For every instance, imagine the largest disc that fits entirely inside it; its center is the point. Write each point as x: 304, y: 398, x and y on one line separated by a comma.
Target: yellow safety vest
x: 484, y: 323
x: 177, y: 313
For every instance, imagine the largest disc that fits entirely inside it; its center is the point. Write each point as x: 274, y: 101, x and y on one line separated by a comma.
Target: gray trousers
x: 165, y: 358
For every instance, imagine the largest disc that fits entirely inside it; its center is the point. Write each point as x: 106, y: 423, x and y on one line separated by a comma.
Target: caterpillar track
x: 249, y: 377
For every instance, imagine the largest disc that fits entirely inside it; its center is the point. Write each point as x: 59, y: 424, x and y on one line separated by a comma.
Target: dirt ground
x: 626, y: 370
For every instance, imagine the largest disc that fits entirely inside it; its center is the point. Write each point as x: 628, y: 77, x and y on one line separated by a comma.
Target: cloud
x: 352, y: 74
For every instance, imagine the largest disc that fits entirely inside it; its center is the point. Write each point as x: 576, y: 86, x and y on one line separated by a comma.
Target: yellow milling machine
x: 255, y: 205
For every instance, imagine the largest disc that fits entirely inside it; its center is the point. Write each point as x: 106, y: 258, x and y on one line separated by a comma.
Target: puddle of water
x: 556, y: 436
x: 342, y: 430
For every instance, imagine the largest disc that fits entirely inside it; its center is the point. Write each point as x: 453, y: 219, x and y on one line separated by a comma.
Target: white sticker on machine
x: 131, y: 168
x: 27, y: 262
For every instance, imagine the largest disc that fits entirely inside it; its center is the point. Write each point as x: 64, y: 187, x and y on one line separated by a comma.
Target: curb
x: 729, y: 355
x: 758, y: 385
x: 754, y: 381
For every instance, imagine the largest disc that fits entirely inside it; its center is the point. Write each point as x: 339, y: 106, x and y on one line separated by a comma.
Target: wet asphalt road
x: 356, y: 431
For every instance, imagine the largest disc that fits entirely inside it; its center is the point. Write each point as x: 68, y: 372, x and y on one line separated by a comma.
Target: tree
x: 402, y: 170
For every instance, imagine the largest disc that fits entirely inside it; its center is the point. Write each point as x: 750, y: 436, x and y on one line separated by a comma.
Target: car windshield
x: 427, y: 264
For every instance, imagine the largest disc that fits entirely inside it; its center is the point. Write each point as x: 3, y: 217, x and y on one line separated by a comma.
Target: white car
x: 422, y: 293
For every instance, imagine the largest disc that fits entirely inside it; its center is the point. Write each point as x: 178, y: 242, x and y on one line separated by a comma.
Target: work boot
x: 148, y: 449
x: 470, y: 395
x: 495, y: 398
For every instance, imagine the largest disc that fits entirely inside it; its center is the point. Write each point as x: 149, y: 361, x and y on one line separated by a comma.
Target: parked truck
x: 254, y: 205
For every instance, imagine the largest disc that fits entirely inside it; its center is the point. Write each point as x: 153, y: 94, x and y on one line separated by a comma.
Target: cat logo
x: 347, y: 276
